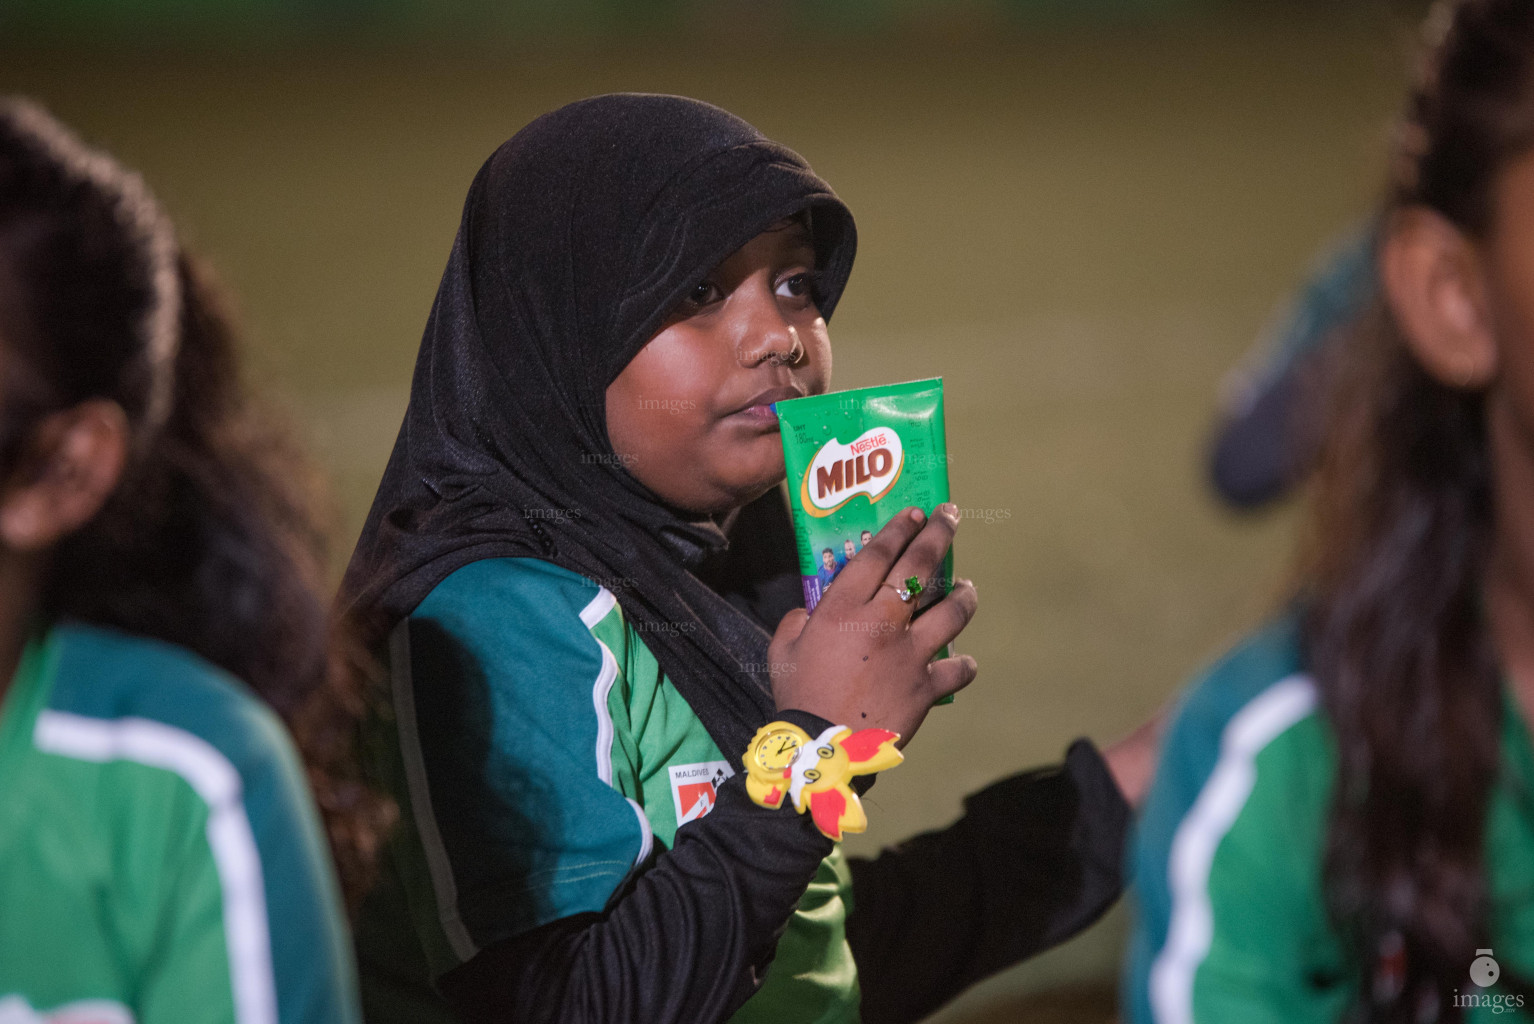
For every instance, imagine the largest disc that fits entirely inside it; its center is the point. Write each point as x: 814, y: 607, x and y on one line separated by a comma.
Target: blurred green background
x: 1079, y: 214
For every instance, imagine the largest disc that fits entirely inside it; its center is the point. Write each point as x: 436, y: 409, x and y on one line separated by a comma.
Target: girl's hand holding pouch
x: 862, y: 660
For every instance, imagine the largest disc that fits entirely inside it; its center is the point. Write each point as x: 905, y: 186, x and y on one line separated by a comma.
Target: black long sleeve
x: 687, y: 941
x: 1034, y: 860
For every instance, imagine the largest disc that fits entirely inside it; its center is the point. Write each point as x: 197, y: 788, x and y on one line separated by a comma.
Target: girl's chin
x: 758, y: 464
x: 746, y: 492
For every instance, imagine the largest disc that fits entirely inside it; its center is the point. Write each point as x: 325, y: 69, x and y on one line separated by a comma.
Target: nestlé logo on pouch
x: 839, y: 472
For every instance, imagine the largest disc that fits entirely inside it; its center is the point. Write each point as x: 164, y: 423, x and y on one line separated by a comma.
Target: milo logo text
x: 839, y: 472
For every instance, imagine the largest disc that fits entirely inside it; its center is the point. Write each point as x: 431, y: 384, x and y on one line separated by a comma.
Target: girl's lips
x: 765, y: 416
x: 762, y: 410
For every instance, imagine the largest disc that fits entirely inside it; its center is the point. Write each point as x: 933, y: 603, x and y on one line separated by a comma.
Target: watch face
x: 777, y: 751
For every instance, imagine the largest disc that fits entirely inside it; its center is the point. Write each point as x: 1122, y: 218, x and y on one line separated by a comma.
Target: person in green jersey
x: 1341, y: 826
x: 581, y: 569
x: 161, y: 613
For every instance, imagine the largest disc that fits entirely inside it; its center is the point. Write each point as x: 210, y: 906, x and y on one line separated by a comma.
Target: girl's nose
x: 764, y: 334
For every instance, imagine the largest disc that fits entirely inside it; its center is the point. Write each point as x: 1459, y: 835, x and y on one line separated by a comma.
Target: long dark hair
x: 1403, y: 525
x: 210, y: 540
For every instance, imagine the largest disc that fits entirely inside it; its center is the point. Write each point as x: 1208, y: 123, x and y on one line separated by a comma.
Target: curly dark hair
x: 1402, y: 529
x: 211, y: 539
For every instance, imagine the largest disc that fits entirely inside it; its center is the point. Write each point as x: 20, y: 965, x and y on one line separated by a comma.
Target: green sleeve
x: 216, y: 882
x: 250, y: 926
x: 190, y: 976
x: 1271, y: 956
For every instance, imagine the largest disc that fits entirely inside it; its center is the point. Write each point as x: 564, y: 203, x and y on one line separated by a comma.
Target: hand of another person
x: 1132, y: 760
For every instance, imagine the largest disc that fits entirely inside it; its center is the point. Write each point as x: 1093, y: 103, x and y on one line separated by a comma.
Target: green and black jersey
x: 575, y: 848
x: 543, y: 762
x: 160, y: 858
x: 1228, y: 859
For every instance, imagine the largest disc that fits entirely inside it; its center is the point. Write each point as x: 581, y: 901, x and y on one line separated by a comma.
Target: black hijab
x: 579, y: 236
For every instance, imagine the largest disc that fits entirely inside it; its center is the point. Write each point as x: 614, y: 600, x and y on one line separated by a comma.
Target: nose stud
x: 790, y: 357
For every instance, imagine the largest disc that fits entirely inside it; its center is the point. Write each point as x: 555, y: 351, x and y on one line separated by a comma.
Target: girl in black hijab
x: 579, y: 554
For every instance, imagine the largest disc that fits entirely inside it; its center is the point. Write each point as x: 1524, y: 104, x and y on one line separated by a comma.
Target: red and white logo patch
x: 693, y: 787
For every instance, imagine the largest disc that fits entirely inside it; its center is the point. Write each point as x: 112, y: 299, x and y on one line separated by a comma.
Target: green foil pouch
x: 855, y: 459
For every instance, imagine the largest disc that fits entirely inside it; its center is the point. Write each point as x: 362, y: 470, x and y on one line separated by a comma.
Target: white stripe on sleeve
x: 1191, y: 925
x: 592, y: 614
x: 233, y: 843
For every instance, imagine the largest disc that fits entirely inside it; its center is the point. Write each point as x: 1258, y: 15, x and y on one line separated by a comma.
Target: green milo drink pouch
x: 855, y: 459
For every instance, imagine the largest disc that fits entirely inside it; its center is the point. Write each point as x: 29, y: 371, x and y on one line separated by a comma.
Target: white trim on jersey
x: 600, y: 691
x: 594, y: 612
x: 646, y: 834
x: 597, y: 610
x: 233, y: 843
x: 1191, y: 925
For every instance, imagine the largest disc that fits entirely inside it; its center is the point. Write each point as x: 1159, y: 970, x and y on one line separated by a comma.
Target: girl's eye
x: 704, y: 293
x: 797, y: 286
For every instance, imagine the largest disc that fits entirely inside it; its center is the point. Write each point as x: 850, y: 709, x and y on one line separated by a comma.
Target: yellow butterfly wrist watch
x: 784, y: 762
